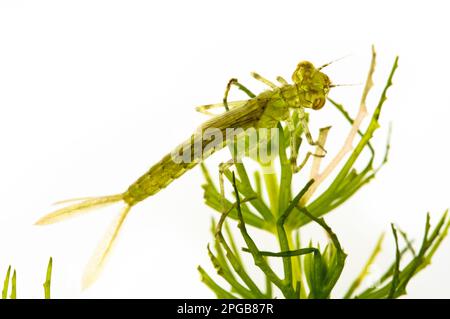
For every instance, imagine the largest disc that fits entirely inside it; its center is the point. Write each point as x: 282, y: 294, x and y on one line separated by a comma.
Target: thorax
x: 277, y: 103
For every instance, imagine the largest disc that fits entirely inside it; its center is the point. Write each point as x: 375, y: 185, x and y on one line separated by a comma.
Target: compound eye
x: 318, y: 103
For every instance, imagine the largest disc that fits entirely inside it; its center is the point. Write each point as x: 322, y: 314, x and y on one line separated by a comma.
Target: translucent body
x: 308, y: 90
x: 263, y: 111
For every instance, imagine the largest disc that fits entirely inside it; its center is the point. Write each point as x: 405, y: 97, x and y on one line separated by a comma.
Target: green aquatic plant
x: 308, y: 271
x: 283, y: 102
x: 13, y: 290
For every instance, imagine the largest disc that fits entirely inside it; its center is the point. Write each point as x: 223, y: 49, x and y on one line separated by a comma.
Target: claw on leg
x: 304, y: 124
x: 296, y: 141
x: 296, y: 168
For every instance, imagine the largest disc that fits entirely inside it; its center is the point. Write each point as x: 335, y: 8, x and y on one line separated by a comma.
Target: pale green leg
x: 227, y: 91
x: 304, y: 123
x: 296, y: 168
x: 223, y: 167
x: 296, y: 141
x: 228, y: 105
x: 282, y: 81
x: 263, y: 80
x: 293, y: 141
x: 240, y: 86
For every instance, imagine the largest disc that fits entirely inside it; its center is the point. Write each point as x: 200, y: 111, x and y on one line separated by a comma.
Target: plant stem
x: 270, y: 179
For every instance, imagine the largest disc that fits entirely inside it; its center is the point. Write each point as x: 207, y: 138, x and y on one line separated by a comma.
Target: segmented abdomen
x: 158, y: 177
x: 167, y: 169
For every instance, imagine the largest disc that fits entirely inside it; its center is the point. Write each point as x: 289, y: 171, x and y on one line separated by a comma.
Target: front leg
x: 295, y: 142
x: 304, y: 124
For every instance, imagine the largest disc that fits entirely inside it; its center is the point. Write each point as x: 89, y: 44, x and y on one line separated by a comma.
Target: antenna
x: 346, y: 84
x: 331, y: 62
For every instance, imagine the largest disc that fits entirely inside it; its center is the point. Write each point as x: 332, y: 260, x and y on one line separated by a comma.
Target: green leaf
x: 6, y: 283
x: 364, y: 272
x: 13, y: 286
x: 219, y: 291
x: 395, y: 277
x: 48, y: 279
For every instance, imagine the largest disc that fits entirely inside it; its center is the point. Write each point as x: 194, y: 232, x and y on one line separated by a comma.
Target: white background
x: 94, y: 92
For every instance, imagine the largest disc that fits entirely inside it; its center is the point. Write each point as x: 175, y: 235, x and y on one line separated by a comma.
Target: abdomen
x: 168, y: 169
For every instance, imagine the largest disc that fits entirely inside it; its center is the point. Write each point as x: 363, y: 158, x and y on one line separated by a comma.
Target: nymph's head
x: 314, y: 84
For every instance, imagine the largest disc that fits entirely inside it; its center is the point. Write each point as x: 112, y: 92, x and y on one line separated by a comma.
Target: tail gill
x: 83, y: 205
